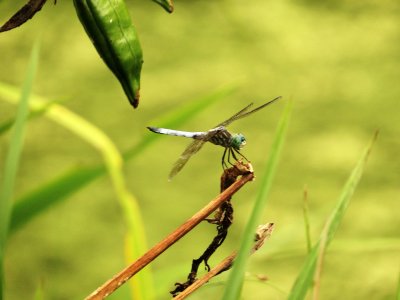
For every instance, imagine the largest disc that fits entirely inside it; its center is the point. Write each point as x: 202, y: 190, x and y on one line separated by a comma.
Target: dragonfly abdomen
x: 188, y: 134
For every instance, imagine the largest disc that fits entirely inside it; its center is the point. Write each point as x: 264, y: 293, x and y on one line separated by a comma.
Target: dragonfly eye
x: 238, y: 141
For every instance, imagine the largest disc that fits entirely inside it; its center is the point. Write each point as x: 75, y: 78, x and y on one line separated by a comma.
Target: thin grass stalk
x: 12, y: 160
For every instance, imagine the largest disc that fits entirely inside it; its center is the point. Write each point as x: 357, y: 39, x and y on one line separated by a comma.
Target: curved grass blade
x: 12, y: 159
x: 113, y: 163
x: 235, y: 281
x: 305, y: 278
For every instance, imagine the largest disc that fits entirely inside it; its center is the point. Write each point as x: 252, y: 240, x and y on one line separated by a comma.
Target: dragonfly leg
x: 224, y: 165
x: 233, y: 155
x: 229, y: 156
x: 237, y: 151
x: 231, y: 152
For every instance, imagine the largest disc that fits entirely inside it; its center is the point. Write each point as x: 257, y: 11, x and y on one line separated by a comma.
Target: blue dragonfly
x: 218, y: 135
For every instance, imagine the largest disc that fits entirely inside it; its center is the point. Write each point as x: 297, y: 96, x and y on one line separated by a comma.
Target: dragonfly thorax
x: 224, y: 138
x: 238, y: 141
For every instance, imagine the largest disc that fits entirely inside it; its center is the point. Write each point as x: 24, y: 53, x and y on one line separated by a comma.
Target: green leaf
x: 235, y: 282
x: 110, y: 28
x: 166, y: 4
x: 12, y: 159
x: 306, y: 275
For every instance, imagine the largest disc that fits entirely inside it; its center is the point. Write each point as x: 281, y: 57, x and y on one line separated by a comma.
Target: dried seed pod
x: 109, y: 26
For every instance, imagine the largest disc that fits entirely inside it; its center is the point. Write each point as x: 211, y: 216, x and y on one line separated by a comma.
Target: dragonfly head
x: 238, y: 141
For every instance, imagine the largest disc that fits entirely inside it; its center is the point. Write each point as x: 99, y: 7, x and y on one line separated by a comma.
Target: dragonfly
x: 218, y: 135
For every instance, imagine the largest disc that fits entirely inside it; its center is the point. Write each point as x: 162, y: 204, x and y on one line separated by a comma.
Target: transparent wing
x: 234, y: 117
x: 190, y: 150
x: 244, y: 113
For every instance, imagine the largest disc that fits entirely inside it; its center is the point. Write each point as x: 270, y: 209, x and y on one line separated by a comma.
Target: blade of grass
x: 235, y: 281
x: 39, y: 293
x: 306, y: 219
x: 305, y: 278
x: 40, y: 199
x: 113, y: 162
x: 398, y: 288
x: 12, y: 159
x: 114, y: 165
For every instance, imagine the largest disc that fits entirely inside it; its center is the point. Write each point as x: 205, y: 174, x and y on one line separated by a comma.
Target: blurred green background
x: 339, y: 62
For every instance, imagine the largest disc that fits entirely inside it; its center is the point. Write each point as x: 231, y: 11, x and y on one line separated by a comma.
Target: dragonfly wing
x: 190, y: 150
x: 235, y: 116
x: 244, y: 112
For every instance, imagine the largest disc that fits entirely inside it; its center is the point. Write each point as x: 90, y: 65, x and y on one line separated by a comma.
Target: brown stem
x: 119, y: 279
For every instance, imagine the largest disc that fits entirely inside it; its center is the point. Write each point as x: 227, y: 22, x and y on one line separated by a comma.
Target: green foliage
x: 109, y: 27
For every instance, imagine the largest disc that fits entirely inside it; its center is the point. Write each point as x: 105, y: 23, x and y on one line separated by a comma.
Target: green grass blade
x: 398, y: 288
x: 306, y: 275
x: 39, y: 293
x: 12, y: 159
x: 113, y: 162
x: 235, y: 282
x: 38, y: 200
x: 306, y: 220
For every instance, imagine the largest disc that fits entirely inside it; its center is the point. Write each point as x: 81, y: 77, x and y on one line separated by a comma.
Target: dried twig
x: 263, y: 233
x: 119, y: 279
